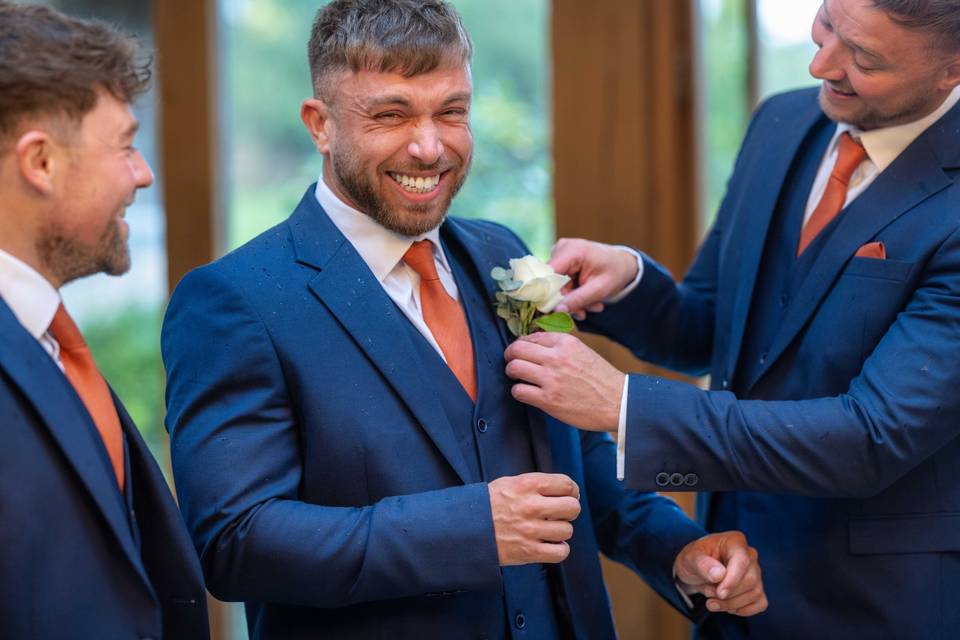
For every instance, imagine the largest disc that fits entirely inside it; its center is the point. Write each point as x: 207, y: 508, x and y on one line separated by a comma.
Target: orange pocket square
x: 874, y: 250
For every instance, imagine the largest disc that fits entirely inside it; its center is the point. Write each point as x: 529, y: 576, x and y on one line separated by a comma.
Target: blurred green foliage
x: 271, y: 159
x: 726, y: 111
x: 127, y: 349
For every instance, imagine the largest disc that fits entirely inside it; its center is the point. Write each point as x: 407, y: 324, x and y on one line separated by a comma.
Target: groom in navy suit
x: 347, y: 454
x: 825, y: 304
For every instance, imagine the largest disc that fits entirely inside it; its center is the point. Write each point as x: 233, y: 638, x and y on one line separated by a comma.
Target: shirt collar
x: 379, y: 247
x: 885, y: 144
x: 31, y: 297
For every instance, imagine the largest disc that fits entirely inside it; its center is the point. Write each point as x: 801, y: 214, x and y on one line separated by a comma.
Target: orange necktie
x: 849, y: 157
x: 444, y: 316
x: 82, y: 372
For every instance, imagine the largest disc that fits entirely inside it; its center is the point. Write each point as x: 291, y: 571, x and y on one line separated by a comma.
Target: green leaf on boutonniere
x: 558, y: 322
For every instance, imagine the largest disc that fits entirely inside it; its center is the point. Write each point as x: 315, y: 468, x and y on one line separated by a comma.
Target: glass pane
x: 785, y: 44
x: 120, y: 317
x: 270, y: 159
x: 723, y: 90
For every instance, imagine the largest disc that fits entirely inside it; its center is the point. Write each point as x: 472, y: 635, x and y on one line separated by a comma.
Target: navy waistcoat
x: 781, y: 274
x: 494, y: 436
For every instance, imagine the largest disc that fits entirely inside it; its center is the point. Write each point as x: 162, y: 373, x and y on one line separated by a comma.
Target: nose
x: 426, y: 145
x: 142, y: 172
x: 826, y: 63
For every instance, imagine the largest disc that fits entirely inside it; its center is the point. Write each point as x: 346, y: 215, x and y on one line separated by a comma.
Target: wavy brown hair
x: 938, y: 18
x: 409, y: 37
x: 52, y: 65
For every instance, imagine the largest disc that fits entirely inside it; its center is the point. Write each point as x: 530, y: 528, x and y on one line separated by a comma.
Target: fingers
x: 709, y: 570
x: 567, y: 255
x: 560, y: 531
x: 527, y: 371
x: 556, y: 484
x: 747, y: 601
x: 738, y: 562
x: 588, y: 294
x: 532, y: 515
x: 550, y: 552
x: 529, y: 394
x: 531, y: 348
x: 758, y: 606
x: 557, y: 508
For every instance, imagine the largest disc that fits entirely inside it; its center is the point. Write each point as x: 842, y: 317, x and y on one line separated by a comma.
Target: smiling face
x: 876, y: 72
x: 398, y: 149
x: 84, y: 232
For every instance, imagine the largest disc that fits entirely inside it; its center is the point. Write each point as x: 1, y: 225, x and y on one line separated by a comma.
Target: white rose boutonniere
x: 529, y: 291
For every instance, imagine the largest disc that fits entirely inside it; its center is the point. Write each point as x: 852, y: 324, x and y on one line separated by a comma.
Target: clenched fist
x: 532, y: 515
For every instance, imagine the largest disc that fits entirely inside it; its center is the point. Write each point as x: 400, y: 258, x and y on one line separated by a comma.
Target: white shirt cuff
x: 633, y: 285
x: 622, y: 430
x: 683, y: 594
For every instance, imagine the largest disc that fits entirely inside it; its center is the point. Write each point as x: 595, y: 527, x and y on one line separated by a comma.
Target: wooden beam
x: 185, y: 33
x: 186, y: 75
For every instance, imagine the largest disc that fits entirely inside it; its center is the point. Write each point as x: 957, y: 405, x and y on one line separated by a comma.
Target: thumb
x: 705, y: 570
x: 586, y: 295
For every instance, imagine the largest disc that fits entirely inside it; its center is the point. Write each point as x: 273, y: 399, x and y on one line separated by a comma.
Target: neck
x: 22, y: 247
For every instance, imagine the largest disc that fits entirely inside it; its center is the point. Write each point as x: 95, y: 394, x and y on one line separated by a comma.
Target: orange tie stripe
x: 849, y: 157
x: 82, y: 372
x: 444, y: 316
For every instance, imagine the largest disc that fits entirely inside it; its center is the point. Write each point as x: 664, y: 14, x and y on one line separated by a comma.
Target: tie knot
x: 420, y: 258
x: 65, y: 331
x: 851, y: 153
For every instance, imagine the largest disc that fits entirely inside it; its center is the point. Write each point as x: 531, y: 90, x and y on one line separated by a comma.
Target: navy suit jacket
x: 319, y: 474
x: 841, y: 439
x: 71, y: 566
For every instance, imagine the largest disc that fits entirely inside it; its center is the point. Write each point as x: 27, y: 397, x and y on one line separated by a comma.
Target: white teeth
x: 416, y: 184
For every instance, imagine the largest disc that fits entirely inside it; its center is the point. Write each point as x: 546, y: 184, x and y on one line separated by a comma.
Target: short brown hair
x: 401, y: 36
x: 53, y: 64
x: 939, y: 18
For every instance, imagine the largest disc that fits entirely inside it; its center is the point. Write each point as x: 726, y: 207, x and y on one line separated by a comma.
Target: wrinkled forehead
x: 367, y: 89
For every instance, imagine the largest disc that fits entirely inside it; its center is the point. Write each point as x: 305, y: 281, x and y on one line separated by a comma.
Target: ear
x: 36, y: 159
x: 951, y: 76
x: 317, y: 118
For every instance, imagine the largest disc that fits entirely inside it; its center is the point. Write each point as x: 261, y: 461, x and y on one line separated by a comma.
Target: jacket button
x: 676, y: 479
x: 724, y: 383
x: 691, y: 479
x: 482, y: 425
x: 663, y: 479
x: 520, y: 621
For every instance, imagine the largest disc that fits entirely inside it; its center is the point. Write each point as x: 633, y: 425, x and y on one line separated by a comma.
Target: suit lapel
x: 485, y: 254
x: 348, y: 289
x: 766, y: 184
x: 913, y: 177
x: 62, y: 413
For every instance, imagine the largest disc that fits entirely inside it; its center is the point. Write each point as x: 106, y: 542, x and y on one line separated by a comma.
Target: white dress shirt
x: 383, y: 251
x: 883, y: 146
x: 32, y: 299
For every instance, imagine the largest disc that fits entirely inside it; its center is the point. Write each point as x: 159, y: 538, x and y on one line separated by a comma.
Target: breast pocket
x: 895, y: 270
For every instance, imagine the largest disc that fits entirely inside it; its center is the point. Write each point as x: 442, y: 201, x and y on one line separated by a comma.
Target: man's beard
x: 358, y: 187
x: 67, y: 260
x: 867, y: 119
